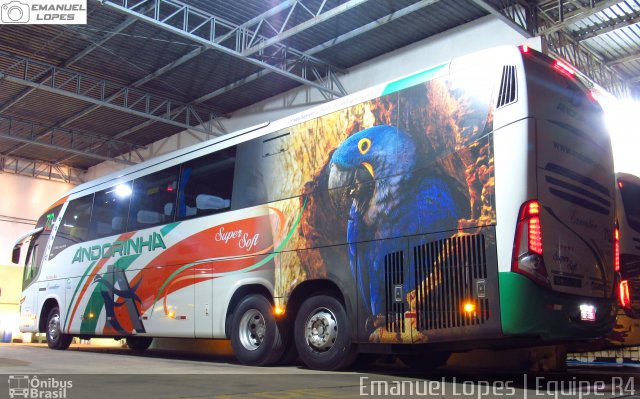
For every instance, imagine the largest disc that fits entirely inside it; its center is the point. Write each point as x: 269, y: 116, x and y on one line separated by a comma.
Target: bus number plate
x: 587, y: 313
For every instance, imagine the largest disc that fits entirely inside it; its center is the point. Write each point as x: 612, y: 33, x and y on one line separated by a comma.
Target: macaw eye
x: 364, y: 145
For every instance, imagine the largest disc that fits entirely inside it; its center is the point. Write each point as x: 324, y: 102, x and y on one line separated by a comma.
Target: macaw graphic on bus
x: 414, y: 162
x: 395, y: 205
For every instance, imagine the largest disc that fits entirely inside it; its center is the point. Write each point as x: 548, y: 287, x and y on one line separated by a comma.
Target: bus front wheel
x: 139, y: 344
x: 256, y: 337
x: 323, y: 334
x: 55, y: 338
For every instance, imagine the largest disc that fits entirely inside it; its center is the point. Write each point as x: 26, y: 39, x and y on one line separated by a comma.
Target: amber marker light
x: 278, y: 310
x: 171, y: 314
x: 91, y: 315
x: 469, y: 307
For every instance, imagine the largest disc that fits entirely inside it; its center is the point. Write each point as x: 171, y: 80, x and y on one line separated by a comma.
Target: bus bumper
x: 528, y: 309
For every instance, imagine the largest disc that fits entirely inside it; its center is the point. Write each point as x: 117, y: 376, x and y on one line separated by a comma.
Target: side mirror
x: 15, y: 255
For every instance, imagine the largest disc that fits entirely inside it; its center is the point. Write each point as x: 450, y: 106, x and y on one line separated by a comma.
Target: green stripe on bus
x: 167, y: 229
x: 413, y: 80
x: 84, y: 275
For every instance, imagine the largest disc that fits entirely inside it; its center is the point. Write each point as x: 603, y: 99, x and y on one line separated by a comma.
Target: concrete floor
x: 109, y: 372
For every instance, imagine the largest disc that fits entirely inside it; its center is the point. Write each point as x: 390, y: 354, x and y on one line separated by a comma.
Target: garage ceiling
x: 72, y: 96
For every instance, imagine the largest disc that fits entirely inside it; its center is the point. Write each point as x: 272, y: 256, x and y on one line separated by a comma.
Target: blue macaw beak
x: 369, y: 169
x: 359, y: 192
x: 339, y: 177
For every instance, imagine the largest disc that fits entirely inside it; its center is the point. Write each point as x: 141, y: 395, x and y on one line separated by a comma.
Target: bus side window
x: 110, y: 209
x: 206, y: 184
x: 74, y: 226
x: 153, y: 199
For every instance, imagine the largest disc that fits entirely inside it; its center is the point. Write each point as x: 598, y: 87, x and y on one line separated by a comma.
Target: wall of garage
x: 23, y: 201
x: 474, y: 36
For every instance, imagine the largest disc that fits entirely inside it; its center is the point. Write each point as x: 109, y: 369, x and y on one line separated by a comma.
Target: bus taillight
x: 564, y: 69
x: 616, y: 249
x: 534, y: 230
x: 623, y: 294
x: 527, y: 249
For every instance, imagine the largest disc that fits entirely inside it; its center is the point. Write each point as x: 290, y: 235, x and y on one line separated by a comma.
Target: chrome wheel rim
x: 321, y: 329
x: 53, y: 329
x: 252, y: 329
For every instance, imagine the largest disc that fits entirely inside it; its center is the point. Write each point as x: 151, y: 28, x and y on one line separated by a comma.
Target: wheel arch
x: 47, y: 305
x: 242, y: 291
x: 310, y: 288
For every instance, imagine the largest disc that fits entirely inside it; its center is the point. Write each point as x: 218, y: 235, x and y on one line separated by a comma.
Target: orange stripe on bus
x: 58, y: 202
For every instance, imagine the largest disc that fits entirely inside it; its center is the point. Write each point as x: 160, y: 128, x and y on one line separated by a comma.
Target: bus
x: 626, y: 331
x: 628, y: 206
x: 468, y: 205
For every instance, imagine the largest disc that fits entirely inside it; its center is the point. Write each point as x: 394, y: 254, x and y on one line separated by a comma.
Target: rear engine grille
x: 394, y: 298
x: 448, y: 273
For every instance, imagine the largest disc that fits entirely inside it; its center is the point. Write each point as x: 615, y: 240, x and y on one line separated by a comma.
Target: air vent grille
x: 508, y: 92
x: 393, y: 282
x: 449, y: 273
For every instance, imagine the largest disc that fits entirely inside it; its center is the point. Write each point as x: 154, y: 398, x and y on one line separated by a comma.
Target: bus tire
x: 55, y: 338
x: 139, y: 344
x: 290, y: 353
x: 322, y: 334
x: 256, y: 337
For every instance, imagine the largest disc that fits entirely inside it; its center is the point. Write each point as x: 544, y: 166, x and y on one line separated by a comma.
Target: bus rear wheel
x: 256, y: 337
x: 323, y: 334
x: 139, y: 344
x: 55, y: 338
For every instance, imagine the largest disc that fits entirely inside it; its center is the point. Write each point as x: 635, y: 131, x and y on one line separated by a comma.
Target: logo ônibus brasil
x: 33, y: 387
x: 131, y: 246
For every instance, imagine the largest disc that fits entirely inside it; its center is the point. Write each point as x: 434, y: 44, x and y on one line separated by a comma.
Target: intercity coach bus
x: 628, y: 211
x: 469, y: 205
x: 626, y: 331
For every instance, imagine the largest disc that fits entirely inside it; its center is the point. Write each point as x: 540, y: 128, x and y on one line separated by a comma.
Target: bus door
x: 203, y: 299
x: 32, y: 265
x: 170, y: 310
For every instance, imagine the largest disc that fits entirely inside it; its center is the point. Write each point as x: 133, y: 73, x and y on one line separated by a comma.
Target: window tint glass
x: 630, y: 194
x: 206, y: 184
x: 154, y: 199
x: 31, y: 265
x: 74, y: 226
x: 110, y: 209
